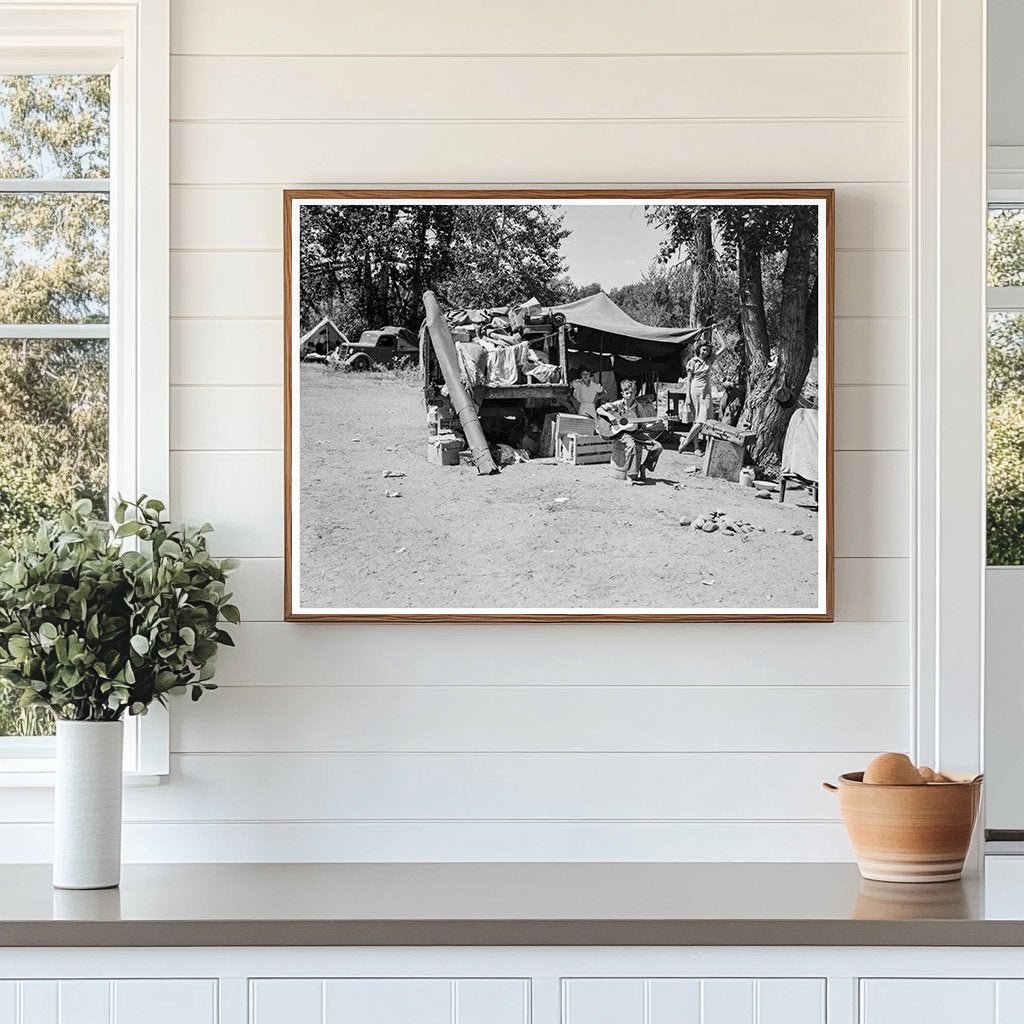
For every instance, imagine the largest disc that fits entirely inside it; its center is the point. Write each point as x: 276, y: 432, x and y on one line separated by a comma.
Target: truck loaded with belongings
x: 512, y: 359
x: 516, y: 360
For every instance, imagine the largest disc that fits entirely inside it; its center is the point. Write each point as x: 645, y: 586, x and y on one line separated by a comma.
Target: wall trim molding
x: 949, y: 450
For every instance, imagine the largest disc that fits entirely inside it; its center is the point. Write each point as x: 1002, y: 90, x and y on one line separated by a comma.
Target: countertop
x: 479, y: 904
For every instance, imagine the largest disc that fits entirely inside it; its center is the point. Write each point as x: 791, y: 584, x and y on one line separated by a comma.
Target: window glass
x: 54, y: 126
x: 54, y: 259
x: 1006, y: 438
x: 1006, y: 246
x: 54, y: 274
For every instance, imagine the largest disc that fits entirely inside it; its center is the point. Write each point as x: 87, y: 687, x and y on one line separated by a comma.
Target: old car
x: 379, y: 348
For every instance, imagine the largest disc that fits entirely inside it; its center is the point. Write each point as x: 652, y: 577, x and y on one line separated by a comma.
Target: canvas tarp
x: 601, y: 326
x: 800, y: 450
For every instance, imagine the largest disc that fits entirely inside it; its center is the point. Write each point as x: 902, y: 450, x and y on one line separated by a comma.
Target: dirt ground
x: 540, y: 535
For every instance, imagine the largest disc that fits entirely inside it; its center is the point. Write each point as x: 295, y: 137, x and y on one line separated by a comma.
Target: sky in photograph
x: 610, y: 244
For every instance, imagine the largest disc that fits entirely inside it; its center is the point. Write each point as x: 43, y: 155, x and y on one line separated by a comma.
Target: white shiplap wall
x: 426, y: 742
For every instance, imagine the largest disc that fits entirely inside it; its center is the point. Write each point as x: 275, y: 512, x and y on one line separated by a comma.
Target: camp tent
x: 322, y: 339
x: 602, y: 327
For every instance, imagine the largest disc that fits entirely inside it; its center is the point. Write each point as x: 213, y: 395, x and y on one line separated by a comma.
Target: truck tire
x: 359, y: 364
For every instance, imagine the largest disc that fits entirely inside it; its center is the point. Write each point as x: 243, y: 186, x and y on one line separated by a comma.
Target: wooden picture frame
x: 824, y: 277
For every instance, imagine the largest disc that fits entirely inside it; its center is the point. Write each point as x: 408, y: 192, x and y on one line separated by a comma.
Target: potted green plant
x: 99, y: 620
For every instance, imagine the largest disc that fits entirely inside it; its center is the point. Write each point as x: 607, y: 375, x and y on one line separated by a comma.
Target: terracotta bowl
x: 909, y: 833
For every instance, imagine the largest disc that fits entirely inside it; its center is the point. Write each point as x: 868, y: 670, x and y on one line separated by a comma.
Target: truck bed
x: 527, y: 391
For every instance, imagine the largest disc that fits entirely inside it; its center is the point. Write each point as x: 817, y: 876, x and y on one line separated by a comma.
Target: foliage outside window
x: 54, y: 308
x: 1005, y: 486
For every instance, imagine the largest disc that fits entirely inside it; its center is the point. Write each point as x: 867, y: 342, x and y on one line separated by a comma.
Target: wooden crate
x: 557, y: 424
x: 584, y: 449
x: 725, y: 450
x: 444, y: 450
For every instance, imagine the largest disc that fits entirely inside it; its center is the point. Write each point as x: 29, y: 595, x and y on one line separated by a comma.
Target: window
x: 1005, y: 477
x: 84, y: 123
x: 54, y: 308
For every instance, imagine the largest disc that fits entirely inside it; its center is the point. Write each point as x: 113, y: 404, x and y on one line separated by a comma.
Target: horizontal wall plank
x: 241, y: 418
x: 241, y: 493
x: 873, y: 508
x: 551, y: 718
x: 220, y: 352
x: 430, y: 654
x: 465, y: 26
x: 374, y: 787
x: 872, y: 418
x: 243, y: 284
x: 873, y: 283
x: 455, y: 842
x: 873, y: 216
x: 233, y: 418
x: 867, y: 589
x: 569, y: 151
x: 250, y: 284
x: 538, y: 87
x: 873, y: 589
x: 873, y: 350
x: 258, y: 586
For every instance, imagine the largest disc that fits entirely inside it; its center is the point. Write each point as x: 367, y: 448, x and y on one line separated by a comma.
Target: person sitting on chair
x: 640, y: 447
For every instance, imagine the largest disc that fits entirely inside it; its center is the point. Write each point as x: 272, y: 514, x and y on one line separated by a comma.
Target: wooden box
x: 725, y: 450
x: 444, y: 451
x: 584, y: 449
x: 557, y: 424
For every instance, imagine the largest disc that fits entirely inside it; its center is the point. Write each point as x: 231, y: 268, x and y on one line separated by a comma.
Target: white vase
x: 87, y: 806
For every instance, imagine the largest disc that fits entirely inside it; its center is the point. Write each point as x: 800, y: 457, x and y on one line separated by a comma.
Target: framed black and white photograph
x: 558, y: 405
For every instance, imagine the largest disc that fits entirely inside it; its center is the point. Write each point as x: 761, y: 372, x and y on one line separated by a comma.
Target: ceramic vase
x: 87, y: 806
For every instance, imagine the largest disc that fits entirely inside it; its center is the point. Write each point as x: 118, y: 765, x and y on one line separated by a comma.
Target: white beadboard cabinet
x: 513, y: 985
x: 108, y: 1001
x: 953, y: 1001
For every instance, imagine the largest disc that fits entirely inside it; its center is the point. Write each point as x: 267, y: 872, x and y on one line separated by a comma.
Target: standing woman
x: 698, y: 388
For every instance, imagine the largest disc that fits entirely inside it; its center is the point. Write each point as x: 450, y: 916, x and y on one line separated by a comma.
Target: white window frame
x: 1004, y: 718
x: 130, y: 41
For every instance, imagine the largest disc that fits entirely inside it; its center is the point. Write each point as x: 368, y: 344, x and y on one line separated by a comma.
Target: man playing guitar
x: 624, y: 419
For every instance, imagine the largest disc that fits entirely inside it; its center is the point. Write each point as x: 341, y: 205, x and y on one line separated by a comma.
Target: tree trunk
x: 789, y: 370
x: 705, y: 271
x: 754, y: 328
x: 422, y: 219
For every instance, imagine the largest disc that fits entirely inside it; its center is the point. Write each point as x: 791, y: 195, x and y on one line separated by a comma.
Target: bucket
x: 618, y: 464
x: 909, y: 833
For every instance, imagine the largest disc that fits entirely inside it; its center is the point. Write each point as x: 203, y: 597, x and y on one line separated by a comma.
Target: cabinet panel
x: 1010, y: 1002
x: 603, y: 1001
x: 39, y: 1002
x: 388, y: 1001
x: 286, y: 1001
x: 694, y: 1001
x: 790, y: 1001
x: 727, y: 1001
x: 674, y: 1001
x: 103, y: 1001
x: 164, y: 1002
x: 492, y: 1002
x: 83, y: 1002
x: 8, y: 1002
x: 929, y: 1001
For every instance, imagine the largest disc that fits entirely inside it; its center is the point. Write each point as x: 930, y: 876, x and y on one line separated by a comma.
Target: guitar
x: 611, y: 429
